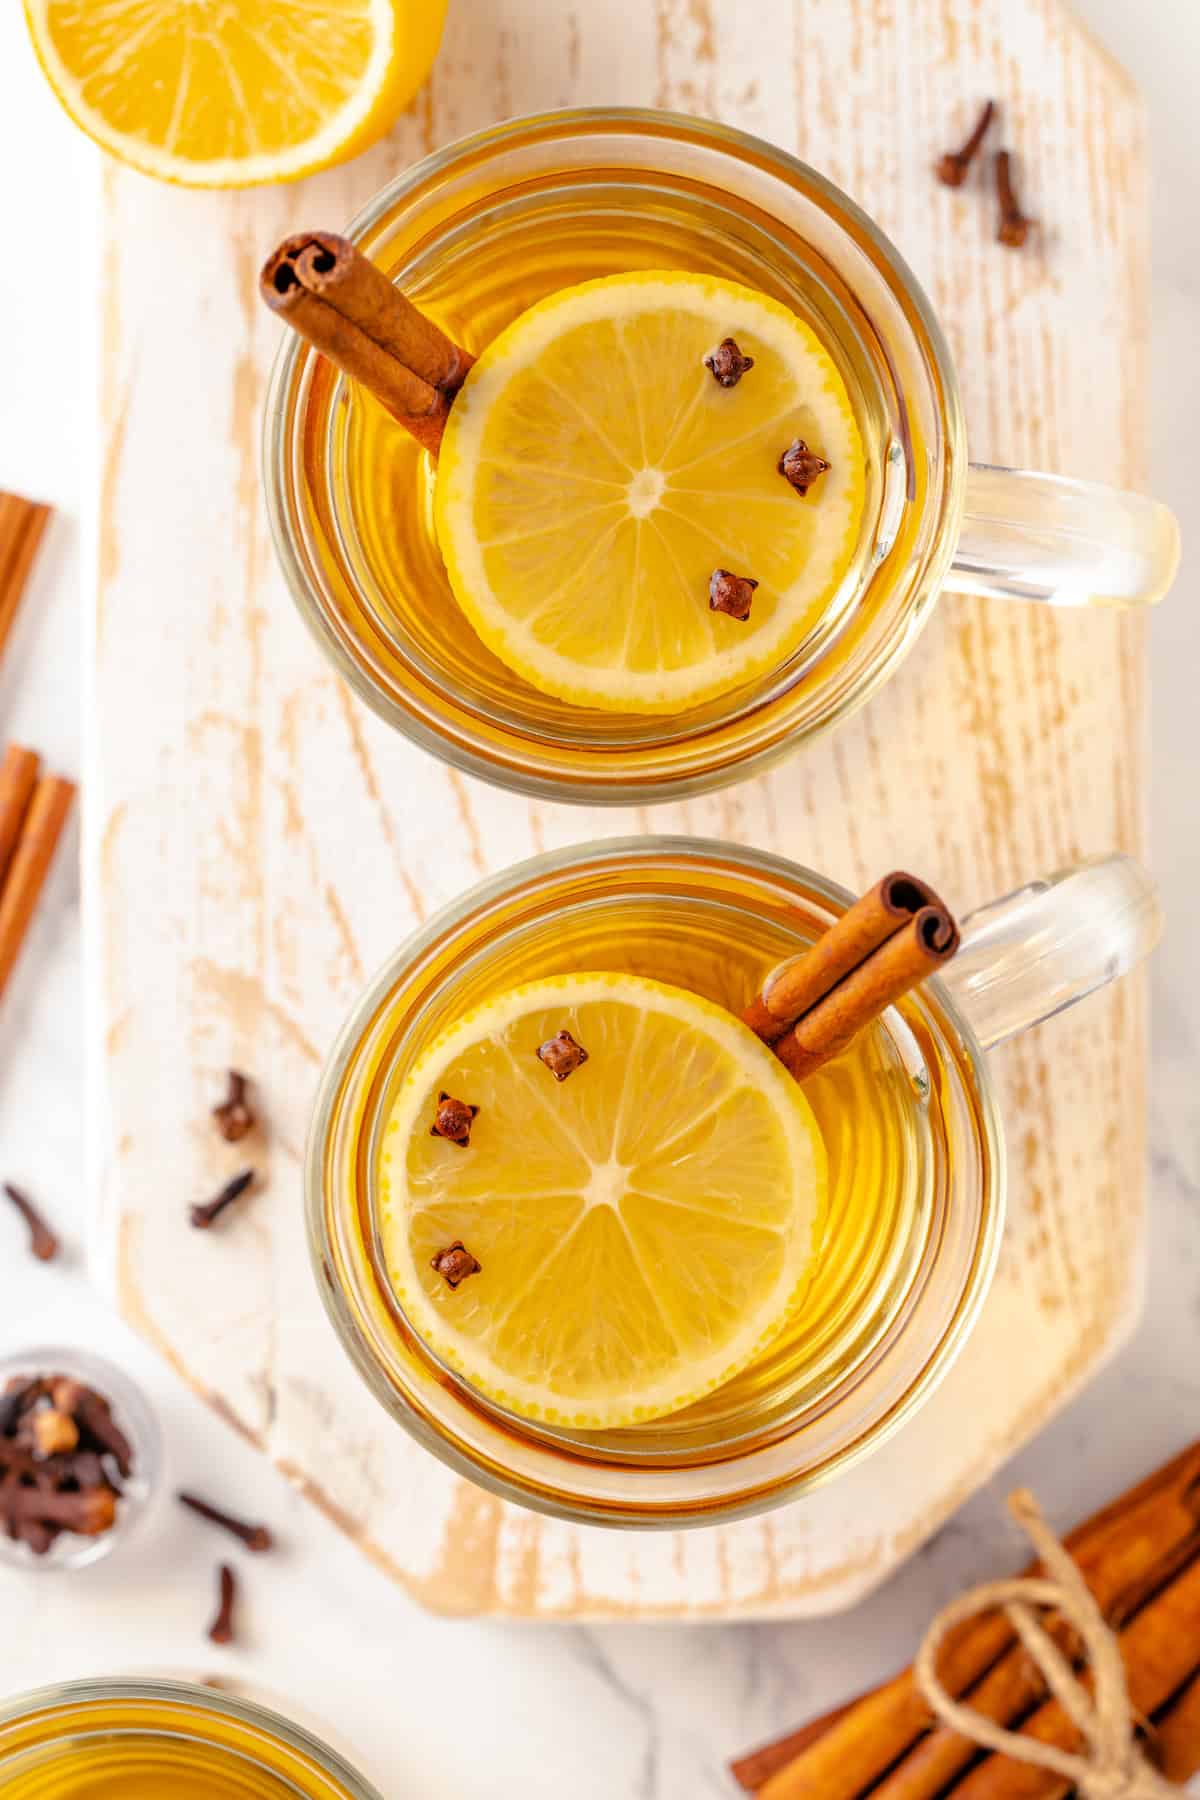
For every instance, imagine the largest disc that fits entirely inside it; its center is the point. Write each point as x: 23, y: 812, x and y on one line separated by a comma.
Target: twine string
x: 1111, y: 1765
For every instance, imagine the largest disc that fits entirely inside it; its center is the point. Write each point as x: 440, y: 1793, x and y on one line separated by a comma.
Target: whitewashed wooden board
x: 260, y: 843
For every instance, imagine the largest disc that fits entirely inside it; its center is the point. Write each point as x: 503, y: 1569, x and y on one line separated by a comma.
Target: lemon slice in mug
x: 610, y: 1244
x: 594, y: 475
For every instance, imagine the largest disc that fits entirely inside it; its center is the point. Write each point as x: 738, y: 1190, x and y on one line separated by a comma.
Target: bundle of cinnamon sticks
x: 1141, y: 1559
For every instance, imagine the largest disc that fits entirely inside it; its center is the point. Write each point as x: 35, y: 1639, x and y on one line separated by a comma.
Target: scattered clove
x: 730, y: 593
x: 42, y: 1241
x: 221, y: 1629
x: 62, y: 1461
x: 562, y: 1055
x: 454, y: 1120
x: 1013, y: 227
x: 235, y: 1116
x: 455, y: 1263
x: 203, y: 1216
x: 726, y: 364
x: 952, y: 168
x: 255, y: 1537
x: 800, y: 466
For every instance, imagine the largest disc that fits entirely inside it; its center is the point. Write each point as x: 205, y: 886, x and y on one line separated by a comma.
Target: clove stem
x: 255, y: 1537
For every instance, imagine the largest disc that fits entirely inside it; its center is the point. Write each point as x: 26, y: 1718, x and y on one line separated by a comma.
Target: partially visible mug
x: 908, y: 1116
x: 478, y: 232
x: 146, y: 1738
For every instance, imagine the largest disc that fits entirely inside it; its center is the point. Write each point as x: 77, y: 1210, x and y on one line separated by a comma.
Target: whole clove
x: 255, y: 1537
x: 562, y: 1055
x: 221, y: 1629
x: 726, y: 364
x: 801, y: 466
x: 455, y: 1263
x: 453, y: 1120
x: 952, y: 168
x: 42, y: 1241
x: 1014, y: 227
x: 205, y: 1215
x: 731, y: 594
x: 235, y: 1116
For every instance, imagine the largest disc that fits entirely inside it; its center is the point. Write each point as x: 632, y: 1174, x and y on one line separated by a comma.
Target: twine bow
x: 1112, y: 1766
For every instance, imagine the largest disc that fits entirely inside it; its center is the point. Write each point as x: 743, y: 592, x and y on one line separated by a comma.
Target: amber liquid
x: 142, y: 1749
x: 887, y: 1156
x: 376, y: 484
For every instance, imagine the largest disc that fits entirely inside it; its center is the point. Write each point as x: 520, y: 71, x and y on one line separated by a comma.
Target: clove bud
x: 206, y: 1215
x: 235, y: 1116
x: 562, y: 1055
x: 952, y: 168
x: 221, y: 1629
x: 42, y: 1241
x: 255, y: 1537
x: 455, y: 1263
x: 1013, y: 227
x: 453, y: 1121
x: 800, y: 466
x: 726, y: 364
x: 731, y: 594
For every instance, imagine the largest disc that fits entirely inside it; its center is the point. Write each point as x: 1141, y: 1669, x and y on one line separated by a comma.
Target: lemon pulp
x: 212, y: 94
x: 642, y: 1227
x: 594, y: 474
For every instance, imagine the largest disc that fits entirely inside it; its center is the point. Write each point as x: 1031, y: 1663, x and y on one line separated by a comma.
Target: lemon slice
x: 594, y: 475
x: 220, y: 95
x: 642, y: 1226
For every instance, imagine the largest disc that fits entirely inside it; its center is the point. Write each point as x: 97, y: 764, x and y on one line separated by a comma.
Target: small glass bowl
x: 132, y: 1414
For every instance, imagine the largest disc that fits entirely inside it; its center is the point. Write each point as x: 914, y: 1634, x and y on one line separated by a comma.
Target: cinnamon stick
x: 1176, y: 1736
x: 22, y: 524
x: 1160, y: 1649
x: 863, y: 1744
x: 40, y: 831
x: 335, y: 297
x: 1136, y: 1556
x: 812, y: 1008
x: 18, y: 775
x: 756, y: 1769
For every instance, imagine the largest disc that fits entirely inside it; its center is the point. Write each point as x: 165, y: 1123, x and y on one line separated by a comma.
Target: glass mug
x: 143, y: 1739
x: 479, y: 231
x: 909, y: 1118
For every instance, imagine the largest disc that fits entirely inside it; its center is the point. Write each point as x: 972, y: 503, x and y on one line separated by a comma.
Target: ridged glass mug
x: 150, y: 1739
x: 909, y: 1118
x: 479, y: 231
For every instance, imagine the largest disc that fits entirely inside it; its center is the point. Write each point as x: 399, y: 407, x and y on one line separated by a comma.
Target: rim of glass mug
x: 858, y: 1409
x: 925, y: 459
x: 308, y: 1756
x: 1007, y: 532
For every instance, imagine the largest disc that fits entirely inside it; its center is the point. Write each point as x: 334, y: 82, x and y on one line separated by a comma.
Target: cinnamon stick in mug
x: 883, y: 945
x: 335, y: 297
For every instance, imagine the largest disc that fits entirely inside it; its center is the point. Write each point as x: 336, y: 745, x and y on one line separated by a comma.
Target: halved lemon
x: 219, y: 95
x: 642, y: 1227
x: 594, y: 475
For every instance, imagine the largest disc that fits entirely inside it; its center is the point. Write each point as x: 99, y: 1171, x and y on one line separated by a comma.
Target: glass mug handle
x: 1038, y: 950
x: 1026, y: 536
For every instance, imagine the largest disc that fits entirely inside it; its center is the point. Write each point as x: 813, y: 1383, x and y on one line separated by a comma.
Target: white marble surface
x: 459, y: 1709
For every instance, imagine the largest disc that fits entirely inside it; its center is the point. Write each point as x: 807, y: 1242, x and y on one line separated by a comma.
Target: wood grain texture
x: 261, y: 843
